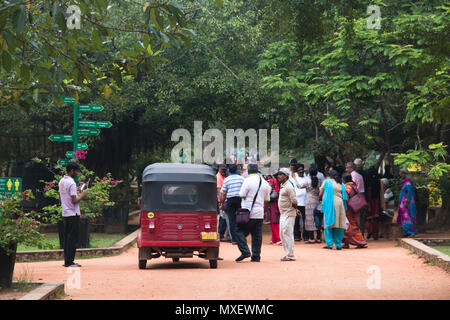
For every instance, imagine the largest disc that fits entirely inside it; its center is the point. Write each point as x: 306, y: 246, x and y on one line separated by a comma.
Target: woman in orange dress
x: 353, y: 235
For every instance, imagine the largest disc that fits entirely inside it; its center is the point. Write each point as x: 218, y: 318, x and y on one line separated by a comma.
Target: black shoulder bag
x: 243, y: 215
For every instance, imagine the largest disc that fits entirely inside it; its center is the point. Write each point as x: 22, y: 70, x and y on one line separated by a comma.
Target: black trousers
x: 71, y: 233
x: 233, y: 204
x: 222, y: 226
x: 362, y: 220
x: 254, y: 227
x: 297, y: 229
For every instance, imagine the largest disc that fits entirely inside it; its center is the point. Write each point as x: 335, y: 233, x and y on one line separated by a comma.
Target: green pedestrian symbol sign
x: 9, y: 186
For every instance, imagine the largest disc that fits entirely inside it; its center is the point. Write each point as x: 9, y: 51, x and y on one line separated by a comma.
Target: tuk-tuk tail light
x: 151, y: 225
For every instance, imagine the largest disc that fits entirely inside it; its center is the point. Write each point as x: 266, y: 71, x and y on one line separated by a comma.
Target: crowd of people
x: 342, y: 206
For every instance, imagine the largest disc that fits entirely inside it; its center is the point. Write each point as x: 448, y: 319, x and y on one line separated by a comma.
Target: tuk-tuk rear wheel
x: 213, y: 264
x: 142, y: 264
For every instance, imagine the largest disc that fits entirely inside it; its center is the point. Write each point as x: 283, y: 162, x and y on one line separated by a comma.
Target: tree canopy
x: 335, y: 87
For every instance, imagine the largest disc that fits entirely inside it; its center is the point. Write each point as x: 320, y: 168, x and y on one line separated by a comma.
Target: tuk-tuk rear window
x: 179, y: 194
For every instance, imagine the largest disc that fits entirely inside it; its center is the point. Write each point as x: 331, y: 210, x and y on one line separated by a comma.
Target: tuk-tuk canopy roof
x: 179, y: 172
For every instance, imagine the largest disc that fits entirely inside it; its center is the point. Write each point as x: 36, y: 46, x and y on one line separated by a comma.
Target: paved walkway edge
x: 133, y: 213
x: 45, y: 291
x: 116, y: 248
x: 429, y: 254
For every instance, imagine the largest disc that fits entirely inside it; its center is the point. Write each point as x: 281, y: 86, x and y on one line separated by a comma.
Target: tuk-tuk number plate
x: 209, y: 235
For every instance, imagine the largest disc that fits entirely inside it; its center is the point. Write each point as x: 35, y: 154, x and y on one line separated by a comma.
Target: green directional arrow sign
x: 82, y: 145
x: 70, y: 154
x: 88, y: 132
x: 61, y: 137
x: 91, y: 107
x: 63, y: 162
x: 68, y: 99
x: 94, y: 124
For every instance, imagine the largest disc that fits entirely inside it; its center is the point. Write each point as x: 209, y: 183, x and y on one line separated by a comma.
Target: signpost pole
x: 76, y: 116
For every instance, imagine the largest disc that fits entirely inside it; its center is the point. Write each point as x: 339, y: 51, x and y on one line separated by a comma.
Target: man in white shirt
x: 253, y: 185
x: 298, y: 177
x: 70, y: 212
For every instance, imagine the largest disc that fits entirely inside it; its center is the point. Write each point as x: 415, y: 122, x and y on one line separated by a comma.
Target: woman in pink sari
x: 353, y: 235
x: 274, y: 212
x: 407, y: 210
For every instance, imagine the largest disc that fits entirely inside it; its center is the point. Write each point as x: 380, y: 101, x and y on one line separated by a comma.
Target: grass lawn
x: 444, y: 249
x: 97, y: 240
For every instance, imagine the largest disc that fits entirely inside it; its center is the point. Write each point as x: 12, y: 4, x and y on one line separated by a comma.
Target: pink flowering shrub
x: 17, y: 226
x: 80, y: 154
x: 99, y: 195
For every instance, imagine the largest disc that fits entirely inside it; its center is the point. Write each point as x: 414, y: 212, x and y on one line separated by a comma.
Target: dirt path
x: 317, y: 274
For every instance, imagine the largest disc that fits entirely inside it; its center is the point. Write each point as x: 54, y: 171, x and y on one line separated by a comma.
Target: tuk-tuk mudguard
x: 211, y: 252
x: 179, y: 244
x: 145, y: 253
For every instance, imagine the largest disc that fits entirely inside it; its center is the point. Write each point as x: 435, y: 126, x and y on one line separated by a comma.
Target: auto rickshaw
x: 178, y: 213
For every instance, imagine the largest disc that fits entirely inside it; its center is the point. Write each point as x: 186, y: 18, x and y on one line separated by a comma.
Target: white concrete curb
x: 45, y: 291
x: 429, y: 254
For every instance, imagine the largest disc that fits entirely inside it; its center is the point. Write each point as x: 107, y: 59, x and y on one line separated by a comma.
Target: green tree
x: 40, y: 55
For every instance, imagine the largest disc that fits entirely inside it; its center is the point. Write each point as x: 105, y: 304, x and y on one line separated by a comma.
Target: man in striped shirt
x: 230, y: 191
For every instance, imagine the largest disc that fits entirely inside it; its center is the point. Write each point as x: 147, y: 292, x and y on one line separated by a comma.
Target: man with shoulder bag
x: 255, y: 194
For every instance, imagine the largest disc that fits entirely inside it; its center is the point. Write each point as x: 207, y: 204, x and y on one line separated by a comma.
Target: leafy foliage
x: 16, y: 225
x: 40, y: 55
x: 99, y: 194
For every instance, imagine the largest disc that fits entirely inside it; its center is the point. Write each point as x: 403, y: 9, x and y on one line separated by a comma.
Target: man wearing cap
x: 254, y: 185
x: 287, y: 203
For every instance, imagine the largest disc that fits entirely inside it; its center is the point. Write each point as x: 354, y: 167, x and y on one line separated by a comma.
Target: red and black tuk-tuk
x: 178, y: 213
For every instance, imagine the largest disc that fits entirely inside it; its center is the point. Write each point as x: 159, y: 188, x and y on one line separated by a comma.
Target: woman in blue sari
x: 407, y: 211
x: 334, y: 207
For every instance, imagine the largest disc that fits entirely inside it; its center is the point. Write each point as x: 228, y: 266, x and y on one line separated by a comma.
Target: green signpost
x: 63, y: 162
x: 77, y: 122
x: 61, y: 137
x: 95, y: 124
x: 70, y: 154
x: 9, y: 186
x: 88, y: 132
x: 81, y: 146
x: 68, y: 99
x: 91, y: 107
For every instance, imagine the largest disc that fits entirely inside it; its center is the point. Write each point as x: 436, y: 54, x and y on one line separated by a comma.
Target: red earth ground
x: 317, y: 274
